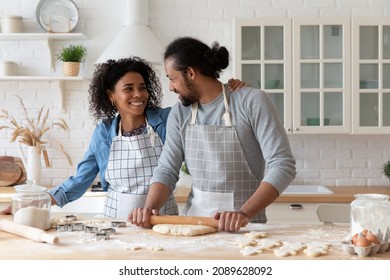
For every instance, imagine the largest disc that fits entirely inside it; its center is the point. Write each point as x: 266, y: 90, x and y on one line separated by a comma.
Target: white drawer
x: 293, y: 213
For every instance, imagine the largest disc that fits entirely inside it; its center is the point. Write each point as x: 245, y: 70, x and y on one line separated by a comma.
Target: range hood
x: 135, y: 37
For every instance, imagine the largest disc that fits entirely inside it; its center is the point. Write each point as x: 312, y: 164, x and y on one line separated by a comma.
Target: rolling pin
x: 28, y: 232
x: 183, y: 220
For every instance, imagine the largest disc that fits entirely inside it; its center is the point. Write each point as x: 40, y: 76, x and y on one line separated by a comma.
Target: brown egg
x: 364, y: 232
x: 354, y: 238
x: 372, y: 238
x: 362, y: 241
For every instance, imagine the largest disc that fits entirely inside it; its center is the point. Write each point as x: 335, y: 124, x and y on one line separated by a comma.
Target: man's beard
x: 192, y: 95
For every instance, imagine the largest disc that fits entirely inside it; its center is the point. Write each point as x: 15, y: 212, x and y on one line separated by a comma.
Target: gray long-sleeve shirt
x: 262, y: 136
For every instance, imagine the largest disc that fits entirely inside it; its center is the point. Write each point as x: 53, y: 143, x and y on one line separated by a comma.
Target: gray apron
x: 222, y: 179
x: 129, y: 170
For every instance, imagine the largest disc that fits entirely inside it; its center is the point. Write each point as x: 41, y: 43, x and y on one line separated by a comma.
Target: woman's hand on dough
x: 231, y: 220
x: 140, y: 216
x: 6, y: 211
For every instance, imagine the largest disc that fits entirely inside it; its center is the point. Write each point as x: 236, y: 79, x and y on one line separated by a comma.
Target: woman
x: 125, y: 96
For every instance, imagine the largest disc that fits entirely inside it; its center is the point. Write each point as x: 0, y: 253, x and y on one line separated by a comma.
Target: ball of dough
x: 33, y: 217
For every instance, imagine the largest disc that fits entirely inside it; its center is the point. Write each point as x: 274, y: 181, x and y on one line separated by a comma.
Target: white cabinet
x: 371, y: 75
x: 262, y: 58
x: 304, y: 65
x: 321, y: 75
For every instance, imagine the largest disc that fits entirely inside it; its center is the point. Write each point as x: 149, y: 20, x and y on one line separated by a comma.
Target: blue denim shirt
x: 96, y: 158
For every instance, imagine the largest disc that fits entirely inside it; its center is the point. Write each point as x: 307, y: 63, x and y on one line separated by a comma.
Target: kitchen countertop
x: 340, y: 195
x: 221, y: 245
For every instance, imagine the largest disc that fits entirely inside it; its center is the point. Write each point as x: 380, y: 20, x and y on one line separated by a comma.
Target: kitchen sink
x: 307, y: 189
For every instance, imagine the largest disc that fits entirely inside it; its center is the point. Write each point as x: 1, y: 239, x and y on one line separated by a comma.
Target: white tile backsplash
x: 338, y: 160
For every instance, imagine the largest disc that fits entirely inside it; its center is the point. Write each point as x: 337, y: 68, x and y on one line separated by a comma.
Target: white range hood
x: 135, y: 38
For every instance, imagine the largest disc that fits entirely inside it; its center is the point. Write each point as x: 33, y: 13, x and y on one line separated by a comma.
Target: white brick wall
x: 337, y: 160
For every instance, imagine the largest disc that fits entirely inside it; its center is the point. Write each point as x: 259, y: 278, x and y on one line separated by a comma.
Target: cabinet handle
x: 296, y: 206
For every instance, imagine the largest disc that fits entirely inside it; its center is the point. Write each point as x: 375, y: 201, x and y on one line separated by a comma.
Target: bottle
x: 31, y: 206
x: 371, y: 212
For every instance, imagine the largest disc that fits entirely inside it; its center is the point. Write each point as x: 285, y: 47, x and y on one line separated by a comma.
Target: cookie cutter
x: 77, y: 226
x: 90, y: 229
x: 118, y: 224
x: 71, y: 218
x: 102, y: 236
x: 107, y: 231
x: 63, y: 227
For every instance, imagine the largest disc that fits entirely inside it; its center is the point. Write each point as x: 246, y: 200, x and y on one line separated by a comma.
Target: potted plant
x: 386, y: 169
x: 72, y: 56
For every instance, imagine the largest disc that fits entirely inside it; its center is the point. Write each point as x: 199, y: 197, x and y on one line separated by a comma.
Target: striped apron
x: 222, y: 179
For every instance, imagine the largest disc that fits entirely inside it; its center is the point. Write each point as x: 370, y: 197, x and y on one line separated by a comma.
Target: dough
x: 256, y: 234
x: 289, y: 248
x: 183, y: 230
x: 33, y: 217
x: 249, y: 251
x: 316, y: 249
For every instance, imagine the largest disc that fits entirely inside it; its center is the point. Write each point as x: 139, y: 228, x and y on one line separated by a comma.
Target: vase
x: 71, y: 68
x: 34, y: 166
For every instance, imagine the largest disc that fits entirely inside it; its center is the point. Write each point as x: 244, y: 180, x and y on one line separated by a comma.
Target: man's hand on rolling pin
x: 231, y: 220
x: 6, y: 211
x: 140, y: 216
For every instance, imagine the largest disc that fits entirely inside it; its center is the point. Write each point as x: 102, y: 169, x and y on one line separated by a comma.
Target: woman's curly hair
x: 106, y: 76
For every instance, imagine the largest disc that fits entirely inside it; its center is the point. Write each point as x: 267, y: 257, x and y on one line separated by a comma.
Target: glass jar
x: 31, y: 206
x: 371, y: 212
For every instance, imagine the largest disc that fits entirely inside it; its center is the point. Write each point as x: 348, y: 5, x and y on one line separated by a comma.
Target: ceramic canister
x: 11, y: 24
x: 7, y: 68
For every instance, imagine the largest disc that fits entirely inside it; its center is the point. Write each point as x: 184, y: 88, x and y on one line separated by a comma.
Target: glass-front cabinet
x: 371, y: 76
x: 321, y: 75
x: 303, y: 64
x: 263, y: 60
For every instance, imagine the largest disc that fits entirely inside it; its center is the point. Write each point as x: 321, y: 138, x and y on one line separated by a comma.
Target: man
x: 227, y: 140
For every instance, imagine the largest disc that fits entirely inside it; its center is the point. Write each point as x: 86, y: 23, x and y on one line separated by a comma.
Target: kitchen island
x: 136, y: 243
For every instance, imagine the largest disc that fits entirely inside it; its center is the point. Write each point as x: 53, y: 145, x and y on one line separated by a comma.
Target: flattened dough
x: 183, y: 230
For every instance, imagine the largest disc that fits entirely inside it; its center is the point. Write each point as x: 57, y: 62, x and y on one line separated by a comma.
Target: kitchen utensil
x: 9, y: 173
x: 17, y: 161
x: 184, y: 220
x: 28, y: 232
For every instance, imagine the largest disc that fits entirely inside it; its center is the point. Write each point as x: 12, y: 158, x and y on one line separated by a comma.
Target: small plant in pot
x: 386, y: 169
x: 72, y: 56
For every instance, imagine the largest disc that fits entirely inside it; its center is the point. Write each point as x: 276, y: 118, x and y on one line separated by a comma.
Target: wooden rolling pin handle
x: 28, y: 232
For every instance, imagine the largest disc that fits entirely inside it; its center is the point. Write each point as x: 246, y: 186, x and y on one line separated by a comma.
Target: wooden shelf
x: 58, y: 80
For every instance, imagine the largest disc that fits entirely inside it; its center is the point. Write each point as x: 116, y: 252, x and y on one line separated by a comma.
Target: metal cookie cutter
x: 77, y: 226
x: 107, y: 231
x: 102, y: 236
x: 71, y: 218
x: 64, y: 227
x: 90, y: 229
x: 118, y: 224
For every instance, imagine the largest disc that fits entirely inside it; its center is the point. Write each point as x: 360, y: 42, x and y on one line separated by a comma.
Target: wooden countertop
x: 78, y: 245
x: 340, y: 195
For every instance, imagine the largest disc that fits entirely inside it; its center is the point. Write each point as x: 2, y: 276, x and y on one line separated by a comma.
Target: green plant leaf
x: 73, y: 53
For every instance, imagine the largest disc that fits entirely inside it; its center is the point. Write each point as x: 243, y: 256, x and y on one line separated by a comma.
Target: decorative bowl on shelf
x: 316, y: 121
x: 271, y: 84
